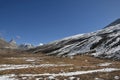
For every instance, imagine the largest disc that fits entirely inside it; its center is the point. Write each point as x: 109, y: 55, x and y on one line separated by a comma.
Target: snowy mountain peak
x: 12, y: 41
x: 26, y: 46
x: 117, y: 21
x: 13, y: 44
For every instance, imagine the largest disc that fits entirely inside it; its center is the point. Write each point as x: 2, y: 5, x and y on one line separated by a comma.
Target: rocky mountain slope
x: 104, y: 43
x: 13, y: 45
x: 5, y: 44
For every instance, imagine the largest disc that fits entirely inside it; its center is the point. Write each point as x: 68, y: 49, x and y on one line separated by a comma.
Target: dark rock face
x: 104, y: 43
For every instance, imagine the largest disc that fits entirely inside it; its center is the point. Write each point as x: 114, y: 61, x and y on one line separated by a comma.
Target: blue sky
x: 43, y: 21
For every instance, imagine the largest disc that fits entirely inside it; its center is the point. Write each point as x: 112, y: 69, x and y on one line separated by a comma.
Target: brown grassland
x: 79, y: 63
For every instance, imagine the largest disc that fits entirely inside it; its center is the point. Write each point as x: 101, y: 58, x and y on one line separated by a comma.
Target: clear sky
x: 43, y: 21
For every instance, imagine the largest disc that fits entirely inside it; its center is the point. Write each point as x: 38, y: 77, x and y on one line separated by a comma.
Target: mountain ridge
x: 11, y: 44
x: 117, y: 21
x: 104, y: 43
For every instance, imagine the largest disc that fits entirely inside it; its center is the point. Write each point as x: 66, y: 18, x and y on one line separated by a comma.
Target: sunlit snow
x: 10, y: 66
x: 10, y: 76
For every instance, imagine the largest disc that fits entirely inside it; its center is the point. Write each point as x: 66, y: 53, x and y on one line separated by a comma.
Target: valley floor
x: 17, y: 65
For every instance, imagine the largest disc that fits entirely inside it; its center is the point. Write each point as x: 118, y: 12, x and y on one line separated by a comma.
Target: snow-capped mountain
x: 104, y: 43
x: 25, y: 46
x: 13, y: 45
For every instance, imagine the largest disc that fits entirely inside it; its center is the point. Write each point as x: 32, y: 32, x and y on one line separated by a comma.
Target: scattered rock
x: 24, y: 78
x: 116, y: 77
x: 71, y: 57
x: 104, y: 64
x: 51, y: 78
x: 77, y: 78
x: 86, y: 60
x: 39, y: 78
x: 98, y: 79
x: 72, y: 78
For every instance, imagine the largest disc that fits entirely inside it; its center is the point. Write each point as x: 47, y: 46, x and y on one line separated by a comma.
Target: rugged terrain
x: 20, y: 65
x: 104, y: 43
x: 77, y: 61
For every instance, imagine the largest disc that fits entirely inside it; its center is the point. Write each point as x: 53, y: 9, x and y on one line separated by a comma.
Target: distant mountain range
x: 5, y: 44
x: 13, y: 45
x: 104, y: 43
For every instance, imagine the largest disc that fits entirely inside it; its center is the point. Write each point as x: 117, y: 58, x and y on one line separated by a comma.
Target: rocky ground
x: 19, y: 65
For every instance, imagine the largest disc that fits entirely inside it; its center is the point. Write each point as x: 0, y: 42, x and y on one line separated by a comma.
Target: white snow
x: 98, y: 79
x: 116, y: 77
x: 72, y: 78
x: 73, y: 73
x: 40, y: 78
x: 104, y: 64
x: 51, y: 77
x: 8, y: 77
x: 24, y: 78
x: 113, y: 50
x: 23, y: 58
x: 11, y: 76
x: 117, y: 40
x: 85, y: 43
x: 11, y: 66
x: 68, y: 38
x: 114, y: 34
x: 30, y: 60
x: 5, y: 78
x: 86, y: 72
x: 73, y: 37
x: 40, y: 44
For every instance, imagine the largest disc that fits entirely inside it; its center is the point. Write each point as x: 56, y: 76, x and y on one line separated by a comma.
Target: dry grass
x: 80, y: 63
